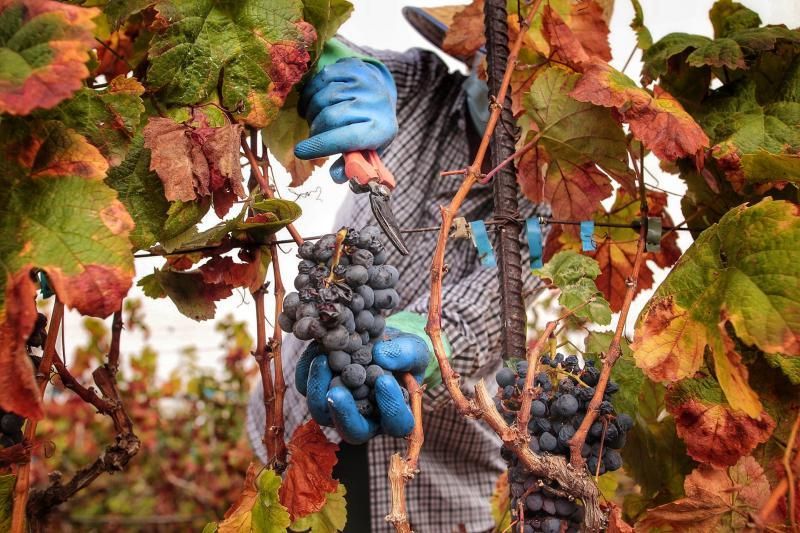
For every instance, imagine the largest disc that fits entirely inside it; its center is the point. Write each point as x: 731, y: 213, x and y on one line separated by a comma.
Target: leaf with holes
x: 252, y: 52
x: 57, y: 215
x: 308, y: 478
x: 44, y: 46
x: 716, y: 500
x: 713, y: 430
x: 731, y: 275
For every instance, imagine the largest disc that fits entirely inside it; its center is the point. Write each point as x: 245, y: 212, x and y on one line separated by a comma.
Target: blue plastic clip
x: 44, y: 286
x: 653, y: 239
x: 534, y: 230
x: 482, y: 243
x: 587, y: 236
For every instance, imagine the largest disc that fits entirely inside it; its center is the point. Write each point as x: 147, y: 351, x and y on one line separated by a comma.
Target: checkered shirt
x: 460, y: 459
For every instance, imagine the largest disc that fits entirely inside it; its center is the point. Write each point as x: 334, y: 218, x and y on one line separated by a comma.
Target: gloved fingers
x: 396, y: 417
x: 337, y: 171
x: 319, y: 379
x: 349, y: 73
x: 301, y: 370
x: 402, y: 353
x: 351, y: 425
x: 330, y: 95
x: 348, y: 138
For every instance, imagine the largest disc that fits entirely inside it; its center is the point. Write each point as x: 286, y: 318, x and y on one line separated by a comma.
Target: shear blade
x: 385, y: 217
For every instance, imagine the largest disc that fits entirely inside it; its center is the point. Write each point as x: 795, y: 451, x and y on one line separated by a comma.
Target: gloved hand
x: 398, y: 352
x: 350, y: 106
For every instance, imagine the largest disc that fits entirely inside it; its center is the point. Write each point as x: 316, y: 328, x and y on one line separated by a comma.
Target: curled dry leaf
x: 308, y: 479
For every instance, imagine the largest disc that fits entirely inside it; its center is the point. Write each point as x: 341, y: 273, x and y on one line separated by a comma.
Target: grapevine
x: 128, y: 132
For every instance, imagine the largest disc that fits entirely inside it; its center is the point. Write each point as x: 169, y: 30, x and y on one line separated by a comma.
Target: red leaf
x: 465, y: 33
x: 308, y: 478
x: 60, y: 64
x: 20, y: 393
x: 196, y: 162
x: 714, y: 433
x: 289, y: 62
x: 224, y: 271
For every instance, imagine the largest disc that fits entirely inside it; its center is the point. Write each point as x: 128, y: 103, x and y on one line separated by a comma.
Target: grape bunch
x: 341, y: 309
x: 11, y: 423
x: 563, y: 392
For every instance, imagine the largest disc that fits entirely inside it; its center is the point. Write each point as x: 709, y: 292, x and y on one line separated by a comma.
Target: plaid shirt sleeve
x: 460, y: 459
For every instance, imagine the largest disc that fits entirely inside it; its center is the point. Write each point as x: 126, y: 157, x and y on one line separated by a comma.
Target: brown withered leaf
x: 716, y: 500
x: 308, y: 478
x: 616, y: 524
x: 196, y: 161
x: 465, y: 35
x: 713, y: 431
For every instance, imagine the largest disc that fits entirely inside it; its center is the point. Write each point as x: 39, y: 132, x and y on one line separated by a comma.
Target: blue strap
x: 481, y: 240
x: 534, y: 230
x: 44, y: 286
x: 587, y: 236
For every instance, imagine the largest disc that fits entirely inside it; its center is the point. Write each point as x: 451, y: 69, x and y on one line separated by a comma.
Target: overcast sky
x: 379, y: 24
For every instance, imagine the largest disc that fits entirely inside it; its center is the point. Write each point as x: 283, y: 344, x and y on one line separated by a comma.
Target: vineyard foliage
x: 124, y: 124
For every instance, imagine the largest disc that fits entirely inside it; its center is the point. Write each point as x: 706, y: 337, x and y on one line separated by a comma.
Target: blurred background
x: 197, y: 374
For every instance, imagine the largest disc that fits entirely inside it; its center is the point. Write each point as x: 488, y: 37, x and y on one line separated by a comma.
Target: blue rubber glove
x: 398, y: 352
x: 350, y: 106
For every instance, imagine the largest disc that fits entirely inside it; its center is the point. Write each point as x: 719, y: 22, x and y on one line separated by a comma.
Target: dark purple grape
x: 353, y: 376
x: 505, y: 377
x: 361, y: 392
x: 306, y: 250
x: 363, y: 356
x: 367, y: 294
x: 373, y: 373
x: 548, y: 505
x: 336, y: 338
x: 538, y: 408
x: 551, y: 525
x: 534, y: 502
x: 356, y: 275
x: 356, y: 304
x: 547, y: 442
x: 565, y: 406
x: 338, y: 359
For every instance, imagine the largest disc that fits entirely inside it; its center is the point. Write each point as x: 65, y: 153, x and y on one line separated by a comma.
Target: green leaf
x: 728, y: 17
x: 751, y: 142
x: 643, y: 38
x: 573, y: 274
x: 625, y: 373
x: 281, y: 136
x: 572, y: 131
x: 6, y: 501
x: 253, y: 51
x: 43, y: 51
x: 109, y: 119
x: 326, y: 16
x: 790, y: 366
x: 210, y: 528
x: 743, y: 271
x: 269, y: 516
x: 57, y: 215
x: 187, y: 290
x: 329, y: 519
x: 142, y: 193
x: 653, y: 435
x: 656, y: 59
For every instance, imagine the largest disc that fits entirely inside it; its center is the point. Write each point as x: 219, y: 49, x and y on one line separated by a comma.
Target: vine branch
x: 275, y: 352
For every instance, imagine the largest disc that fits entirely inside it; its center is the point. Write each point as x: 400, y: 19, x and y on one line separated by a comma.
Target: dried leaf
x: 44, y: 46
x: 615, y: 522
x: 196, y: 162
x: 465, y: 34
x: 714, y: 432
x: 308, y: 478
x: 716, y: 500
x: 258, y: 509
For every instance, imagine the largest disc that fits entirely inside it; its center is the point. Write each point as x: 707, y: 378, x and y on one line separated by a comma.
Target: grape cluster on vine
x: 563, y: 391
x: 343, y: 288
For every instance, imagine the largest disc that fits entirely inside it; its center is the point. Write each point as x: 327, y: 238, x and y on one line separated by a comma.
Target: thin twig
x: 88, y: 395
x: 402, y: 470
x: 22, y: 486
x: 264, y: 185
x: 614, y: 350
x: 786, y: 484
x: 275, y: 351
x: 519, y: 153
x: 116, y: 334
x: 265, y: 371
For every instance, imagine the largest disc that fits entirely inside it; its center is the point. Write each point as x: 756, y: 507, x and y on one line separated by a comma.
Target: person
x: 423, y: 119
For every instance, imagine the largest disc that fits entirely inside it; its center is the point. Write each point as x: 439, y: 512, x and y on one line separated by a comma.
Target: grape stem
x: 402, y: 470
x: 614, y: 350
x: 337, y: 254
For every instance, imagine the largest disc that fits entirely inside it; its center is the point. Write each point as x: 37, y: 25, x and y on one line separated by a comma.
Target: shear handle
x: 365, y: 166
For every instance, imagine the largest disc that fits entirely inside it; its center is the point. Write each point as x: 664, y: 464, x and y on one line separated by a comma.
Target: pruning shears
x: 367, y: 173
